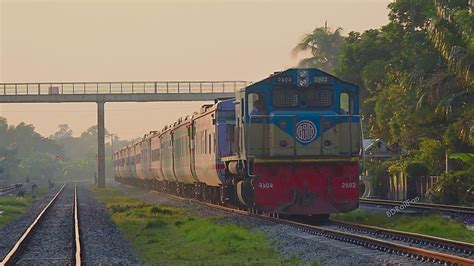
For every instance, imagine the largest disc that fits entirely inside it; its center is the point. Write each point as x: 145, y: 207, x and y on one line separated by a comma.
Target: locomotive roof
x: 292, y: 72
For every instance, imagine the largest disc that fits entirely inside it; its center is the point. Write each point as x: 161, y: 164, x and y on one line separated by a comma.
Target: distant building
x: 375, y: 150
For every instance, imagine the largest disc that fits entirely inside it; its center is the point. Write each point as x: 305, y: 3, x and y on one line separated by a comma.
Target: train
x: 289, y: 144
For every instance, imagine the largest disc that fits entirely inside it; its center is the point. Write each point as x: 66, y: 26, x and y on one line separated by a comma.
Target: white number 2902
x: 348, y: 185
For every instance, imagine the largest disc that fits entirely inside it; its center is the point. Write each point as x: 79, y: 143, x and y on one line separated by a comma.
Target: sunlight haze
x: 155, y: 40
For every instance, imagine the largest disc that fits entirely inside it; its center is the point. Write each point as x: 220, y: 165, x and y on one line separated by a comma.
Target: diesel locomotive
x: 288, y: 144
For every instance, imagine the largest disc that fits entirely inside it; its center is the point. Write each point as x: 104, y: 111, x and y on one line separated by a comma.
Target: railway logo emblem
x: 306, y: 131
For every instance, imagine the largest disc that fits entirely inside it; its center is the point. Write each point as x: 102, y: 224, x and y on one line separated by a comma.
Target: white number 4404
x: 265, y: 185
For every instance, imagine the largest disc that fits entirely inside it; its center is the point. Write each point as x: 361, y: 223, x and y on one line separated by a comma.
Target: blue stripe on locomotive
x: 314, y: 77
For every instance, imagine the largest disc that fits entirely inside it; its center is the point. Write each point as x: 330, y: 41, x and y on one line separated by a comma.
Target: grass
x: 433, y: 225
x: 168, y: 235
x: 11, y: 208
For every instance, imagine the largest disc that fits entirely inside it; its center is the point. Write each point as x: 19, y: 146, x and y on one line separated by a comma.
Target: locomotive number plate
x: 349, y: 185
x: 265, y: 185
x: 284, y: 79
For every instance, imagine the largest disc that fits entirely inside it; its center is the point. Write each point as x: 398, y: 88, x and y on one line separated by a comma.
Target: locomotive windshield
x: 321, y: 97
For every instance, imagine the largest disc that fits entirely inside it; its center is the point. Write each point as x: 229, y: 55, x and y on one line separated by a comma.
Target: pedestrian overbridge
x: 136, y: 91
x: 125, y: 91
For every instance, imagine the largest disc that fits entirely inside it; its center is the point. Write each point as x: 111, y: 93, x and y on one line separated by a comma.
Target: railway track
x: 53, y: 237
x: 437, y: 244
x: 6, y: 190
x: 410, y: 248
x: 418, y: 206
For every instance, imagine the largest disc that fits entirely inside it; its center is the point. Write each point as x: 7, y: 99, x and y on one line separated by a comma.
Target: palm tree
x: 324, y: 46
x: 451, y: 89
x: 452, y: 35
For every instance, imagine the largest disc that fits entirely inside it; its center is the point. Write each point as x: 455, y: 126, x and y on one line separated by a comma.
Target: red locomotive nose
x: 306, y: 187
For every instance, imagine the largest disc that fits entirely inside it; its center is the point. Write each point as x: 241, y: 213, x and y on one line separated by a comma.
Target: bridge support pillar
x: 101, y: 145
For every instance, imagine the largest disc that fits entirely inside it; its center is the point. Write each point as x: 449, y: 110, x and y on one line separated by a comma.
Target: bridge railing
x: 135, y: 87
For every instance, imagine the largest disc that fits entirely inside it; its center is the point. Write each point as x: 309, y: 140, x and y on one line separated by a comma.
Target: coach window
x: 346, y: 104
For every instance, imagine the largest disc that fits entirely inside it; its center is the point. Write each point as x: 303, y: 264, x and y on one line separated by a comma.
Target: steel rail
x: 419, y: 253
x: 8, y: 191
x: 76, y: 229
x: 19, y: 245
x: 7, y: 188
x: 428, y: 206
x: 11, y: 187
x: 419, y: 237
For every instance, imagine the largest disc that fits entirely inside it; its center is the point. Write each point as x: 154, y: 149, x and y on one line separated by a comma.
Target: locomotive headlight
x: 302, y: 78
x: 283, y: 124
x: 303, y: 73
x: 283, y: 143
x: 303, y: 82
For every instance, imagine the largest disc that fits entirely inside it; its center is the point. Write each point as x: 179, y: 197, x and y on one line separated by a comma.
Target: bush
x: 379, y: 172
x: 431, y: 153
x: 415, y: 171
x: 454, y: 187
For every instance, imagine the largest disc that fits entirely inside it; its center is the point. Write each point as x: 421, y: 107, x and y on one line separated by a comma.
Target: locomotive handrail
x: 362, y: 149
x: 118, y: 87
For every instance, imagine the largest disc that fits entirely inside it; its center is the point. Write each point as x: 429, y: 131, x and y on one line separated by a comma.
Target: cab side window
x: 256, y: 104
x: 346, y: 103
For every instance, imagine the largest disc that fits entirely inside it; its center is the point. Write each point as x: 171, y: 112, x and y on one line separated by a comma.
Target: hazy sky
x: 67, y: 40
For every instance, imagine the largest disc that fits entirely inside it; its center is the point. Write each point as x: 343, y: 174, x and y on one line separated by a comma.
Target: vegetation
x: 451, y: 189
x: 416, y: 83
x: 324, y: 46
x: 11, y: 208
x: 433, y: 225
x: 25, y: 154
x: 167, y: 235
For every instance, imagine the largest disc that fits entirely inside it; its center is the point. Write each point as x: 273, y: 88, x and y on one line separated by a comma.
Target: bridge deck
x: 140, y: 91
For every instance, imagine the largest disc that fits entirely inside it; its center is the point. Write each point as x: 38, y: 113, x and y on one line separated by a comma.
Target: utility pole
x: 112, y: 135
x: 101, y: 144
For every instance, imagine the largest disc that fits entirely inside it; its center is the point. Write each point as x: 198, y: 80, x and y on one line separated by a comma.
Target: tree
x: 415, y: 79
x: 25, y: 153
x: 63, y: 132
x: 324, y: 46
x: 431, y: 153
x: 8, y: 163
x: 452, y: 34
x: 38, y: 165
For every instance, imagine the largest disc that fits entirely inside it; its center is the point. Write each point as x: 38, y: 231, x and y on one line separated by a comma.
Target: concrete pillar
x: 101, y: 145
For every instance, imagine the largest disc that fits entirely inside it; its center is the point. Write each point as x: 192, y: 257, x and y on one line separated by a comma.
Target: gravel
x: 10, y: 233
x: 289, y: 241
x: 407, y: 241
x: 102, y: 242
x: 52, y: 241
